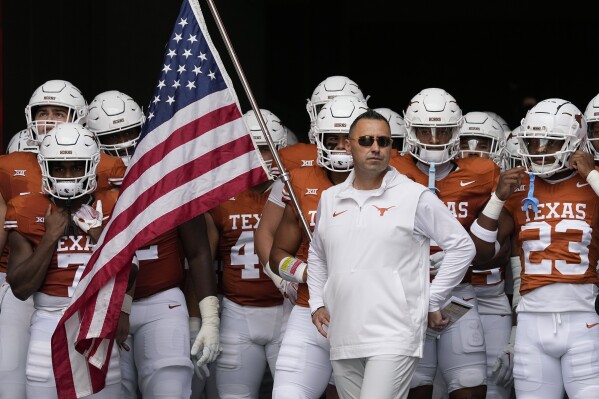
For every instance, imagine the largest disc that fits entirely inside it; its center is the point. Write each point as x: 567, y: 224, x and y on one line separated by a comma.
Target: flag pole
x: 284, y: 174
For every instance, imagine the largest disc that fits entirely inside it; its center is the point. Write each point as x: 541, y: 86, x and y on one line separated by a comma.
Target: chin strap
x: 530, y: 202
x: 431, y: 178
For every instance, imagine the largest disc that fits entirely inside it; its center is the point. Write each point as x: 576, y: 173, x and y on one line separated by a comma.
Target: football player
x: 551, y: 207
x: 304, y: 367
x: 52, y: 236
x: 433, y: 120
x: 158, y: 362
x: 253, y: 309
x: 52, y: 103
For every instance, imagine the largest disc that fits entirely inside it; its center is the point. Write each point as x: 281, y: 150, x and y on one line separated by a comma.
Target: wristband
x: 127, y: 302
x: 292, y: 269
x: 593, y: 180
x: 484, y: 234
x: 493, y: 208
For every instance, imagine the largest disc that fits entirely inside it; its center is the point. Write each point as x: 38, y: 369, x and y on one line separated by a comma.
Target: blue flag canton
x: 189, y: 73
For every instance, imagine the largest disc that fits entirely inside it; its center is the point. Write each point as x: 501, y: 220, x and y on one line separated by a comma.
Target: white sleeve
x: 317, y: 266
x: 276, y: 193
x: 434, y: 220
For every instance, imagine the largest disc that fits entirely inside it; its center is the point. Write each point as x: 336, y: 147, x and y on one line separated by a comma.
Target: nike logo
x: 463, y: 184
x: 591, y: 325
x: 383, y: 210
x: 173, y: 306
x: 581, y: 185
x: 468, y: 299
x: 335, y: 214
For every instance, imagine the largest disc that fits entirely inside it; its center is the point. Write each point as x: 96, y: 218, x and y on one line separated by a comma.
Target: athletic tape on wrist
x: 593, y: 180
x: 482, y: 233
x: 127, y: 302
x: 292, y: 269
x: 493, y: 208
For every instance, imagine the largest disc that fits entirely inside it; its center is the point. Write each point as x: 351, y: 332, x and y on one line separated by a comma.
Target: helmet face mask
x: 433, y: 119
x: 54, y: 102
x: 482, y: 136
x: 69, y: 146
x: 116, y: 120
x: 331, y: 129
x: 326, y: 90
x: 549, y: 134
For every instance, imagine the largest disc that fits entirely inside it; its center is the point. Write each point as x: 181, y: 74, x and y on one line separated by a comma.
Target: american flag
x: 194, y: 152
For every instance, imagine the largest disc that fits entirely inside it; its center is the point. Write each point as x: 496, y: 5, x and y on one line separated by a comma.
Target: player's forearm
x: 27, y: 276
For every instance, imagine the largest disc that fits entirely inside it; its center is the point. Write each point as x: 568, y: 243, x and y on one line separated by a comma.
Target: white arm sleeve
x: 434, y: 220
x: 317, y: 267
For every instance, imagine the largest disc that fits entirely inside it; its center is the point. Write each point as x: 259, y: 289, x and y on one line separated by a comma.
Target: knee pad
x: 466, y: 377
x: 168, y: 381
x: 230, y: 357
x: 292, y: 356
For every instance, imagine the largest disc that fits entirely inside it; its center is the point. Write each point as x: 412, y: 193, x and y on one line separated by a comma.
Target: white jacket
x: 369, y: 265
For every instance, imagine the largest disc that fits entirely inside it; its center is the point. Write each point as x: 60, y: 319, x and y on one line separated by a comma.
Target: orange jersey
x: 299, y: 155
x: 464, y: 191
x: 25, y: 215
x: 243, y: 281
x: 20, y: 173
x: 558, y: 244
x: 110, y: 172
x: 161, y: 265
x: 308, y: 184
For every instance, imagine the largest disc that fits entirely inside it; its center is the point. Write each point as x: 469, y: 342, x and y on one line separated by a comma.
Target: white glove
x: 504, y: 365
x: 436, y: 260
x: 208, y: 337
x: 287, y: 288
x: 88, y: 218
x: 202, y: 371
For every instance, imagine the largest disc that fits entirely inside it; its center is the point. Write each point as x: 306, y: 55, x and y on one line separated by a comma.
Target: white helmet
x: 433, y: 108
x: 69, y: 142
x: 55, y: 92
x: 336, y: 117
x: 591, y: 114
x: 479, y: 125
x: 111, y: 113
x: 510, y: 158
x: 278, y: 132
x: 500, y: 120
x: 22, y: 142
x: 398, y: 128
x: 326, y: 90
x: 552, y: 119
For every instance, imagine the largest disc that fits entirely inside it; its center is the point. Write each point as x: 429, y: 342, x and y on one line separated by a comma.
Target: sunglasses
x: 368, y: 141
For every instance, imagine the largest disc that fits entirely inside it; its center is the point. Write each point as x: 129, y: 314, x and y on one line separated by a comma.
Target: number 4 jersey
x: 25, y: 214
x: 558, y: 244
